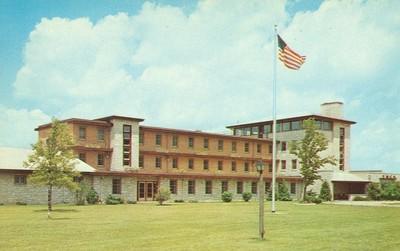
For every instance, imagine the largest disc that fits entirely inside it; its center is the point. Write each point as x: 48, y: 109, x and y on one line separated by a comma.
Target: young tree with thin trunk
x: 308, y: 151
x: 52, y: 161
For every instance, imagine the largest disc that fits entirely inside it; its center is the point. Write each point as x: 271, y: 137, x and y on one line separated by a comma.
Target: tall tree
x: 52, y: 161
x: 308, y: 151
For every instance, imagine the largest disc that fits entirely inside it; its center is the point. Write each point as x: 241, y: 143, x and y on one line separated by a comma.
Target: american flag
x: 290, y: 58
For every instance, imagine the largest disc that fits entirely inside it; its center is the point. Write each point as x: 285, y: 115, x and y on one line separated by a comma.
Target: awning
x: 346, y: 177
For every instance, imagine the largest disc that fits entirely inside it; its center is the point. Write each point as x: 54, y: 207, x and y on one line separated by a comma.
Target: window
x: 278, y: 127
x: 254, y: 187
x: 174, y: 163
x: 246, y: 166
x: 205, y: 164
x: 175, y: 140
x: 205, y: 143
x: 318, y: 124
x: 100, y: 134
x: 208, y: 187
x: 246, y: 147
x: 239, y: 187
x: 100, y: 159
x: 220, y: 145
x: 267, y: 187
x: 286, y: 126
x: 127, y: 129
x: 293, y: 188
x: 220, y: 165
x: 158, y: 139
x: 173, y: 186
x: 294, y: 163
x: 254, y: 130
x: 191, y: 187
x: 267, y: 129
x: 82, y: 156
x: 283, y: 164
x: 20, y: 179
x: 190, y: 163
x: 296, y: 125
x: 82, y: 132
x: 233, y: 165
x: 190, y: 142
x: 224, y: 186
x: 116, y: 186
x: 158, y: 162
x: 283, y: 146
x: 141, y: 137
x: 246, y: 131
x: 270, y: 148
x: 141, y: 161
x: 233, y: 146
x: 258, y: 148
x: 270, y: 168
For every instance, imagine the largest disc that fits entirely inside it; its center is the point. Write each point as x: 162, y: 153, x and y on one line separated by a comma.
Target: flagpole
x: 274, y: 120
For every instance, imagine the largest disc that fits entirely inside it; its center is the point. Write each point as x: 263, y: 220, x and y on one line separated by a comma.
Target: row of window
x: 206, y: 143
x: 100, y: 133
x: 100, y: 158
x: 208, y: 188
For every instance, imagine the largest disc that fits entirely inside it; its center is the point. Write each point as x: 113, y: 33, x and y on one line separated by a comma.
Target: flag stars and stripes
x: 289, y: 58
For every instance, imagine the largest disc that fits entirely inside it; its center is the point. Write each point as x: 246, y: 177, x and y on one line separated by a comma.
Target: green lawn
x: 199, y: 226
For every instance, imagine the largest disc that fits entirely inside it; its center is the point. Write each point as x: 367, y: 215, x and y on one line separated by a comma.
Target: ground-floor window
x: 173, y: 186
x: 239, y: 187
x: 20, y: 179
x: 293, y: 188
x: 116, y: 186
x: 267, y: 186
x: 191, y: 187
x: 208, y: 187
x: 224, y: 186
x: 253, y: 187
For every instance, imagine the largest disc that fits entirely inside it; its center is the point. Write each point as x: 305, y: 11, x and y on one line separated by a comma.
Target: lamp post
x: 260, y: 169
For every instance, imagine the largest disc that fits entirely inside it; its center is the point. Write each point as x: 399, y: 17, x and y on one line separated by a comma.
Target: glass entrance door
x: 147, y: 190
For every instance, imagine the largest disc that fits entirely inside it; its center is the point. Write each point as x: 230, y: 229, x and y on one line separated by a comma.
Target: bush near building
x: 226, y: 196
x: 113, y: 200
x: 387, y: 190
x: 247, y: 196
x: 281, y: 193
x: 92, y: 197
x: 163, y: 195
x: 325, y: 193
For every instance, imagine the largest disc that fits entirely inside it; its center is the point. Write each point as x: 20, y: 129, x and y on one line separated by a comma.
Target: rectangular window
x: 224, y: 186
x: 20, y: 179
x: 293, y: 188
x: 158, y: 139
x: 239, y: 187
x: 100, y: 159
x: 286, y: 126
x: 158, y: 162
x: 246, y: 166
x: 82, y: 156
x: 270, y: 167
x: 190, y: 142
x: 267, y: 187
x: 191, y: 187
x: 100, y: 134
x: 270, y: 148
x: 116, y: 186
x: 283, y: 164
x: 246, y: 147
x: 267, y: 129
x: 141, y: 161
x: 258, y: 148
x: 278, y: 127
x: 296, y: 125
x: 208, y: 187
x: 220, y: 165
x: 233, y: 165
x: 141, y: 137
x: 234, y: 147
x: 254, y: 130
x: 246, y: 131
x: 283, y: 146
x: 220, y: 145
x: 175, y: 141
x: 190, y: 163
x: 82, y: 132
x: 174, y: 163
x: 205, y: 144
x: 173, y: 186
x: 254, y: 187
x: 205, y: 164
x: 294, y: 163
x: 127, y: 136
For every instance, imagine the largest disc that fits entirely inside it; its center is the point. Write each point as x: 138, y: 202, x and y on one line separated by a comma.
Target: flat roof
x: 77, y: 121
x: 303, y: 117
x: 108, y: 118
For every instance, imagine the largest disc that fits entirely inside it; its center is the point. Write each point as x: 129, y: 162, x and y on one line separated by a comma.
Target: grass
x: 199, y: 226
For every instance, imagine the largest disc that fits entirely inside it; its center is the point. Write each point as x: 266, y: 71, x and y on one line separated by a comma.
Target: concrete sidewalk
x: 366, y: 203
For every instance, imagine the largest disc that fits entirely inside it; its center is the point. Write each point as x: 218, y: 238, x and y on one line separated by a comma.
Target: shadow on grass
x: 57, y: 210
x: 61, y: 218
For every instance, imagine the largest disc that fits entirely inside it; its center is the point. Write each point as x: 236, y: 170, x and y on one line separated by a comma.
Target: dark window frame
x: 116, y: 186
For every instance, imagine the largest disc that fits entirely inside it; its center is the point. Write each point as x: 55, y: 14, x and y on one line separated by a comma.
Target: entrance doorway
x: 147, y: 190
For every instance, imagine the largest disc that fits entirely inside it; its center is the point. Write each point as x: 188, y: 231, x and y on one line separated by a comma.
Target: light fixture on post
x: 260, y: 168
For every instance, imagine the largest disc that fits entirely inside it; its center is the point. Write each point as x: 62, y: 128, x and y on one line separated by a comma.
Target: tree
x: 325, y: 193
x: 307, y: 150
x: 163, y: 195
x: 52, y: 161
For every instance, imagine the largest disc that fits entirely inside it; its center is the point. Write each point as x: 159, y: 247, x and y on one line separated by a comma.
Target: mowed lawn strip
x: 199, y: 226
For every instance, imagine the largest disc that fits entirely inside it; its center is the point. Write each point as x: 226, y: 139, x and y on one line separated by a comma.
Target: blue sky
x: 201, y: 65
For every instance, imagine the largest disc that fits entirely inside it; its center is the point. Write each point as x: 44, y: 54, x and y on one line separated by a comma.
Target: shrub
x: 374, y: 191
x: 316, y: 200
x: 81, y: 193
x: 310, y: 197
x: 113, y: 200
x: 19, y: 203
x: 226, y: 196
x: 247, y: 196
x: 325, y: 193
x: 390, y: 190
x: 163, y: 195
x: 131, y: 202
x: 179, y: 201
x: 193, y: 201
x: 283, y: 192
x: 360, y: 198
x: 92, y: 197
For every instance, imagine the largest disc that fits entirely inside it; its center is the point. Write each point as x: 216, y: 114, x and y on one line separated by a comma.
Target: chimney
x: 332, y: 109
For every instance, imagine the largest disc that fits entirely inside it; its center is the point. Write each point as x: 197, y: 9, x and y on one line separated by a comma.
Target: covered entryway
x: 346, y: 185
x: 147, y: 190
